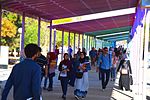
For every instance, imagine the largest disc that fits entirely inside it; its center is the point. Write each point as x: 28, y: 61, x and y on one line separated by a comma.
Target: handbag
x: 131, y: 80
x: 79, y: 75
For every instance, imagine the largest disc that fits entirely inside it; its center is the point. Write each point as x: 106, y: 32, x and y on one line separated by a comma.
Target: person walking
x: 70, y: 52
x: 104, y: 66
x: 114, y: 66
x: 125, y: 79
x: 65, y: 68
x: 82, y: 82
x: 75, y: 63
x: 56, y: 53
x: 93, y: 55
x: 42, y: 61
x: 25, y: 77
x: 78, y: 53
x: 52, y: 65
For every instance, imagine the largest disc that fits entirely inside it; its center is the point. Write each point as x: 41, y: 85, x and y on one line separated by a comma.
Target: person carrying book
x: 82, y: 82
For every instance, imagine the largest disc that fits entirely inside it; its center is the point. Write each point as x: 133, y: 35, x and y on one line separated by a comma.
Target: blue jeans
x: 50, y: 76
x: 113, y: 73
x: 45, y: 80
x: 64, y: 84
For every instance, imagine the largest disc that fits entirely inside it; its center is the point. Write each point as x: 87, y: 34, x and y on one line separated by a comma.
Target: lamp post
x: 20, y: 31
x: 21, y: 51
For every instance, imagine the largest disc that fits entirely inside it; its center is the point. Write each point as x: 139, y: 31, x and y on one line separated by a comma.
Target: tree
x: 31, y: 30
x: 8, y: 28
x: 10, y: 24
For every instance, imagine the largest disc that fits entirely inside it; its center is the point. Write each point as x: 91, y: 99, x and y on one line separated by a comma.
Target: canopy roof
x: 56, y: 9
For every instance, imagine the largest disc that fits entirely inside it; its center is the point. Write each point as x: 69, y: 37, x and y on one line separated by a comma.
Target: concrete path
x: 95, y: 93
x: 110, y: 93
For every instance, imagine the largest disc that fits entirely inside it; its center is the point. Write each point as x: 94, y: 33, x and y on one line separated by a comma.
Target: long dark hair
x: 82, y: 60
x: 66, y: 54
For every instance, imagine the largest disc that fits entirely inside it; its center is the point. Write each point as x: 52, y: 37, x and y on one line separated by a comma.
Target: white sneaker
x: 76, y: 97
x: 102, y: 90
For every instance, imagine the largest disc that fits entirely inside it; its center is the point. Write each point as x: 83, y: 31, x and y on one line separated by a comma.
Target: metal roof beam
x: 117, y: 39
x: 117, y: 36
x: 113, y: 34
x: 109, y: 31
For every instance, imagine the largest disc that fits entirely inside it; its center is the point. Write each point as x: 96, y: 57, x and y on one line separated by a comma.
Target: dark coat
x: 69, y: 66
x: 125, y: 79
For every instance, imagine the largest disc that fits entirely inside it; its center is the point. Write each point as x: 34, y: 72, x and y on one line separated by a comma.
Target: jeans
x: 99, y: 75
x: 45, y: 80
x: 64, y: 84
x: 105, y: 73
x: 113, y: 73
x: 72, y: 78
x: 51, y: 80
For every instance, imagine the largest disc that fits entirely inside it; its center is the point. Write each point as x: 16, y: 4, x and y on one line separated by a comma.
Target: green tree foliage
x: 31, y: 30
x: 10, y: 36
x: 44, y: 34
x: 8, y: 28
x: 59, y: 38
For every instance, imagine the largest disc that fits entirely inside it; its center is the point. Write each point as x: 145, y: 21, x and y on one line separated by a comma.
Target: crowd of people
x: 26, y: 76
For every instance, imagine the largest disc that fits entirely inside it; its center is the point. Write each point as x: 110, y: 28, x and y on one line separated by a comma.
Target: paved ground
x: 111, y: 93
x: 94, y: 93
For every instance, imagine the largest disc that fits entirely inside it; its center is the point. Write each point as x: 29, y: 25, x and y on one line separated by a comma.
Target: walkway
x: 94, y: 93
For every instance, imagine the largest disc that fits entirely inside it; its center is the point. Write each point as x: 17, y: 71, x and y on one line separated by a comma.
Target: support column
x: 68, y: 39
x: 39, y: 27
x: 92, y: 45
x: 54, y: 40
x: 89, y: 43
x: 62, y: 51
x: 74, y: 43
x: 83, y: 40
x: 95, y: 41
x: 79, y: 41
x: 22, y: 34
x: 86, y: 42
x: 50, y: 37
x: 138, y: 48
x: 144, y: 69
